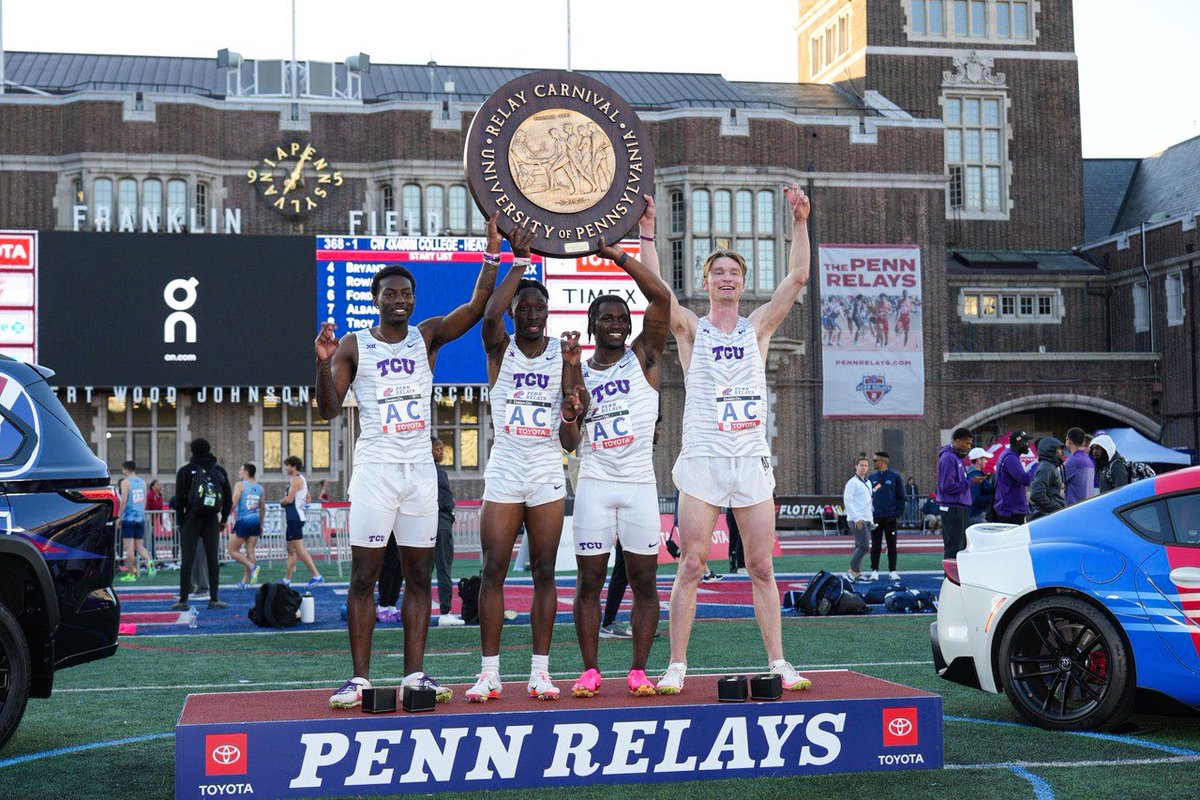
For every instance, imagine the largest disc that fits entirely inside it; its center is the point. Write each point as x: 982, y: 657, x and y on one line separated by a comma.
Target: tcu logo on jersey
x: 406, y: 365
x: 531, y: 379
x: 609, y: 389
x: 728, y: 353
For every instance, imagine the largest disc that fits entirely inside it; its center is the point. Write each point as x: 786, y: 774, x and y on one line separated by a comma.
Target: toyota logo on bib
x: 900, y: 727
x: 226, y: 754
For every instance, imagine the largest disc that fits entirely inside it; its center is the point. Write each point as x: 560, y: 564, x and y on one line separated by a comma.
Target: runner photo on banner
x: 873, y: 363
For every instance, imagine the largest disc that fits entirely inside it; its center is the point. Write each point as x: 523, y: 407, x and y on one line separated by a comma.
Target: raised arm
x: 682, y: 320
x: 575, y: 395
x: 767, y: 318
x: 336, y: 364
x: 442, y: 330
x: 495, y: 337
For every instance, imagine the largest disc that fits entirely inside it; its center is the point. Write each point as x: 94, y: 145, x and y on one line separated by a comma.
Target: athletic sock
x: 491, y: 664
x: 780, y: 662
x: 539, y: 663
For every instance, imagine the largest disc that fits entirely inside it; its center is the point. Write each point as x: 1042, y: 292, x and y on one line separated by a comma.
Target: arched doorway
x: 1053, y: 414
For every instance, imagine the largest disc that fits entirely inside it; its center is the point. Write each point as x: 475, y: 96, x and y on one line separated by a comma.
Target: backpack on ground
x: 828, y: 594
x: 205, y: 493
x: 468, y: 592
x: 877, y: 595
x: 276, y: 605
x: 911, y: 601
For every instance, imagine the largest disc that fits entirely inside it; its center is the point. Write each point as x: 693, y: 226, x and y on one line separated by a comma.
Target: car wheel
x: 14, y: 674
x: 1065, y: 667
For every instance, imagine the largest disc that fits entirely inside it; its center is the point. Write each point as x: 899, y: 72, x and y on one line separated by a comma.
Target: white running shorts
x: 399, y: 499
x: 733, y: 482
x: 610, y: 511
x: 503, y: 490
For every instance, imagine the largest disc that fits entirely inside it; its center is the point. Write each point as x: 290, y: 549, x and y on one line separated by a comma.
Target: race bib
x: 528, y: 413
x: 738, y: 408
x: 251, y: 502
x: 400, y: 408
x: 609, y: 425
x: 137, y: 496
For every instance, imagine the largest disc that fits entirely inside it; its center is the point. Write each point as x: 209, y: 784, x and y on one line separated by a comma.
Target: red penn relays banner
x: 872, y: 358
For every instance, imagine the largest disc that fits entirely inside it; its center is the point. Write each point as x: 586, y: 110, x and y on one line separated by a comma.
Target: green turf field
x: 140, y: 692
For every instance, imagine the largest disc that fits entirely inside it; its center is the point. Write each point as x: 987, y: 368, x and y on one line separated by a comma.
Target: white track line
x: 1074, y: 764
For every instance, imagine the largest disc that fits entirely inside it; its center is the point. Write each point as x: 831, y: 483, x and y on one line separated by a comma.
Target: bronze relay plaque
x: 562, y: 154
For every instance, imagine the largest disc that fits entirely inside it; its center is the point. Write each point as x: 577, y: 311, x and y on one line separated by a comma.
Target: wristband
x: 491, y: 257
x: 647, y: 238
x: 620, y: 262
x: 522, y: 261
x: 565, y: 419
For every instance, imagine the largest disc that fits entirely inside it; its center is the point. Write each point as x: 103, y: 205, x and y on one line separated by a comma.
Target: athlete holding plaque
x: 725, y: 459
x: 393, y: 490
x: 536, y: 385
x: 617, y: 497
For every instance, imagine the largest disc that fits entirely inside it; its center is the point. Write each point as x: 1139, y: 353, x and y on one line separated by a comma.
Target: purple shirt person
x: 954, y: 491
x: 1079, y: 469
x: 1012, y: 503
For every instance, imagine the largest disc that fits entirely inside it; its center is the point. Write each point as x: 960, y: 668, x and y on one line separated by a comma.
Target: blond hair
x: 722, y: 252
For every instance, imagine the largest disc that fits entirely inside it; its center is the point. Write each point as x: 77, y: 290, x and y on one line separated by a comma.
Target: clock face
x: 295, y: 179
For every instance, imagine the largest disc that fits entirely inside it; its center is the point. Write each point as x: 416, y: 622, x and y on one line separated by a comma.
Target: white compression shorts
x: 393, y: 499
x: 733, y: 481
x: 610, y: 511
x: 503, y: 490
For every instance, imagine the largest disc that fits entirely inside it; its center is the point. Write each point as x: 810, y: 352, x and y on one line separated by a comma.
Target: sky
x: 1138, y: 72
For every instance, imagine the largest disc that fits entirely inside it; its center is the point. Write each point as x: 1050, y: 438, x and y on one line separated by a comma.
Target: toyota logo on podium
x: 900, y: 727
x: 226, y: 754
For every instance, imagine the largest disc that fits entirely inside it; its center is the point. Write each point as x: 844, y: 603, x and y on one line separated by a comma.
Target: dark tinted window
x: 1185, y: 518
x: 1151, y: 520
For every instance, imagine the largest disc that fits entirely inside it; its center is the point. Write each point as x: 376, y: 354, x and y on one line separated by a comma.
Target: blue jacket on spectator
x: 889, y: 497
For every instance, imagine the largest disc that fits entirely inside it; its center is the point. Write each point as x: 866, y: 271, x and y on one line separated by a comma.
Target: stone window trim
x: 691, y: 238
x: 101, y: 430
x: 973, y: 77
x: 409, y: 199
x: 830, y: 44
x: 78, y: 188
x: 1176, y: 311
x: 1141, y: 307
x: 991, y: 305
x: 284, y: 427
x: 991, y: 37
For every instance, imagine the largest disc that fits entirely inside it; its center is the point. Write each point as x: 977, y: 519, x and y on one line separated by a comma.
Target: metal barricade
x: 466, y: 529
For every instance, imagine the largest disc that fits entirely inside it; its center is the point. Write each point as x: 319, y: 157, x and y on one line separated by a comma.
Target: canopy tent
x: 1136, y: 447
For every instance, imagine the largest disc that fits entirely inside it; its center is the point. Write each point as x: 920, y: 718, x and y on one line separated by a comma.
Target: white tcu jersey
x: 526, y: 403
x: 393, y: 386
x: 725, y: 413
x: 618, y: 431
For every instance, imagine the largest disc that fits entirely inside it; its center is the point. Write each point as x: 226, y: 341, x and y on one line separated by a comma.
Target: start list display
x: 445, y: 270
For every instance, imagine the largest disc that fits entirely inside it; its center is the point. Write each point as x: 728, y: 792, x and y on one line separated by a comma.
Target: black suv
x: 57, y: 515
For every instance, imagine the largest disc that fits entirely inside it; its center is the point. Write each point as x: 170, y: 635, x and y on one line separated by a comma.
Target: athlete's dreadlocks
x: 594, y: 310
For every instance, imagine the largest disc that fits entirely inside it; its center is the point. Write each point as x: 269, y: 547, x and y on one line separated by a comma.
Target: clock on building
x: 295, y: 179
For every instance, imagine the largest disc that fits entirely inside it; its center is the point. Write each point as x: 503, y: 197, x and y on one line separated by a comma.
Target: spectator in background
x: 911, y: 488
x: 933, y: 515
x: 982, y: 492
x: 856, y: 500
x: 1012, y: 504
x: 1079, y: 471
x: 247, y: 524
x: 295, y: 505
x: 132, y: 523
x: 155, y: 503
x: 954, y: 491
x: 443, y: 549
x: 1111, y: 466
x: 1047, y: 495
x: 737, y: 557
x: 391, y: 581
x: 323, y: 494
x: 887, y: 506
x: 203, y: 500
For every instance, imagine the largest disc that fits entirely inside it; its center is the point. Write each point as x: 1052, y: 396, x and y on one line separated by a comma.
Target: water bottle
x: 307, y: 608
x: 193, y: 615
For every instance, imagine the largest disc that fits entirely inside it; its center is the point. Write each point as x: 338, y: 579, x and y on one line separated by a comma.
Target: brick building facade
x: 966, y: 145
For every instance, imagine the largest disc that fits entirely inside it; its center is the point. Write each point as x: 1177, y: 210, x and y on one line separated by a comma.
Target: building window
x: 1141, y: 308
x: 77, y: 192
x: 700, y: 211
x: 971, y: 20
x: 458, y: 422
x: 434, y: 202
x: 1174, y: 285
x: 127, y: 201
x: 1003, y: 306
x: 829, y: 43
x: 144, y: 432
x: 743, y: 220
x: 477, y: 222
x: 388, y: 195
x: 177, y: 201
x: 975, y: 152
x: 410, y: 199
x: 678, y: 213
x: 201, y: 202
x: 102, y: 194
x: 457, y: 219
x: 295, y: 429
x: 677, y: 270
x: 152, y: 201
